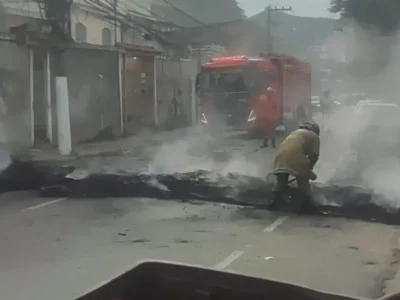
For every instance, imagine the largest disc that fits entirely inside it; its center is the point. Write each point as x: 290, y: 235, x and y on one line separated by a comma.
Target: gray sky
x: 310, y: 8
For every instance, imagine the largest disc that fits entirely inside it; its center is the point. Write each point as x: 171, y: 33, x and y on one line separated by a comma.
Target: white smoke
x: 375, y: 63
x: 200, y: 151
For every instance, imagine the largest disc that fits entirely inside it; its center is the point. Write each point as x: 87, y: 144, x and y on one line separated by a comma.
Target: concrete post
x: 63, y: 116
x: 193, y: 102
x: 31, y: 96
x: 47, y: 84
x: 155, y: 100
x: 121, y: 77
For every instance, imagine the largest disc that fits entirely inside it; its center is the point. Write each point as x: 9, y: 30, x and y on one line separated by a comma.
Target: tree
x: 383, y: 14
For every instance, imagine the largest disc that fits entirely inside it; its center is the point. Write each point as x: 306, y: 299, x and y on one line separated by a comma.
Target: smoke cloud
x: 200, y: 151
x: 364, y: 150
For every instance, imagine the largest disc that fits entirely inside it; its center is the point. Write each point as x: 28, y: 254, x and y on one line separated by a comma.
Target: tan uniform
x: 292, y: 158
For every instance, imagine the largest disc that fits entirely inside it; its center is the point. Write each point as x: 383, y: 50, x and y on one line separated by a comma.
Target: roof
x: 290, y: 63
x: 295, y: 63
x: 139, y: 49
x: 379, y: 104
x: 360, y: 107
x: 230, y: 61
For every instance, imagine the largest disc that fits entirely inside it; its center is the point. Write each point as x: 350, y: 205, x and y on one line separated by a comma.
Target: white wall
x: 90, y: 17
x: 94, y: 23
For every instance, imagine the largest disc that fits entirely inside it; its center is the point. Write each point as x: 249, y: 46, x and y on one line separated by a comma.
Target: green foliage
x: 383, y: 14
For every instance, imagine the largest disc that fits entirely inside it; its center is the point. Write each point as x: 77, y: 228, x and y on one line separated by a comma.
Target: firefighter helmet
x: 312, y: 126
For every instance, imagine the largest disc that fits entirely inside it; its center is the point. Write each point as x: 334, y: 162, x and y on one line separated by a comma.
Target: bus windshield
x: 226, y: 80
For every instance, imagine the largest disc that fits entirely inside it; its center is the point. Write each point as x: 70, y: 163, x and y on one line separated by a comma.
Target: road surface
x: 60, y: 248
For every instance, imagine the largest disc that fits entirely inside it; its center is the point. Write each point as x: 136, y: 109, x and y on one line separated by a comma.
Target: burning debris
x: 330, y: 200
x: 334, y: 199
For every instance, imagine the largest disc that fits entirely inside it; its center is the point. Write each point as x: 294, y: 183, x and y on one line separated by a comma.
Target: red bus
x: 229, y: 88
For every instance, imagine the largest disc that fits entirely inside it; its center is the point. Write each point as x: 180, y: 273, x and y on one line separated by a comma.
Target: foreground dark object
x: 332, y: 200
x: 166, y: 280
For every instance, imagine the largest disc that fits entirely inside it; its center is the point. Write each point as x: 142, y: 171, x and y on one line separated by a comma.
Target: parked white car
x: 384, y: 115
x: 362, y: 103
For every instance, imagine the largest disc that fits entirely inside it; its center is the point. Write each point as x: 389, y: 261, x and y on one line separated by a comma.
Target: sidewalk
x: 141, y: 144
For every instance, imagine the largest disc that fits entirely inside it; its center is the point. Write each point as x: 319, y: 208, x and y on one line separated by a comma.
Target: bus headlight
x: 203, y: 118
x: 252, y: 116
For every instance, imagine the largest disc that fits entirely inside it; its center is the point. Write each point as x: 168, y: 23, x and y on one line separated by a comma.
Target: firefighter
x: 267, y: 115
x: 297, y: 156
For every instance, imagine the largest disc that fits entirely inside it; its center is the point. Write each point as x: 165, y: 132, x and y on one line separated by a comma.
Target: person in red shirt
x: 267, y: 116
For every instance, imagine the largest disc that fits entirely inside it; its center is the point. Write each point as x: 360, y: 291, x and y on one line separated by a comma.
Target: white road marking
x: 275, y: 224
x: 228, y: 260
x: 44, y: 204
x: 268, y: 257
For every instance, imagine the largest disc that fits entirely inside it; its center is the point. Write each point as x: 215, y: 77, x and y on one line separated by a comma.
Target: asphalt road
x: 60, y: 248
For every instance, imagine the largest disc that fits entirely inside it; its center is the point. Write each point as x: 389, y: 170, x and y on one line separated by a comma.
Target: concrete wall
x: 139, y: 92
x: 93, y: 92
x: 172, y: 76
x: 15, y: 112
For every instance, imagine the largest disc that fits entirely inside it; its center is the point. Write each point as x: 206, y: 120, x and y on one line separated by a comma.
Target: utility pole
x: 54, y: 33
x: 115, y: 21
x: 270, y: 9
x: 58, y: 15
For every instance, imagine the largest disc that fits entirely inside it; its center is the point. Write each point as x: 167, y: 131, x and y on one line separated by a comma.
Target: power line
x: 111, y: 21
x: 17, y: 1
x: 100, y: 6
x: 120, y: 17
x: 270, y: 9
x: 155, y: 15
x: 183, y: 12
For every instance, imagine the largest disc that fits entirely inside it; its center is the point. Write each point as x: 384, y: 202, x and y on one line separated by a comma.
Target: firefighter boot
x: 277, y: 197
x: 307, y: 206
x: 273, y: 144
x: 265, y: 143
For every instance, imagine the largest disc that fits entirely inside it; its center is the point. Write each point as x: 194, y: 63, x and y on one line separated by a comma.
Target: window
x: 80, y: 33
x: 106, y: 36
